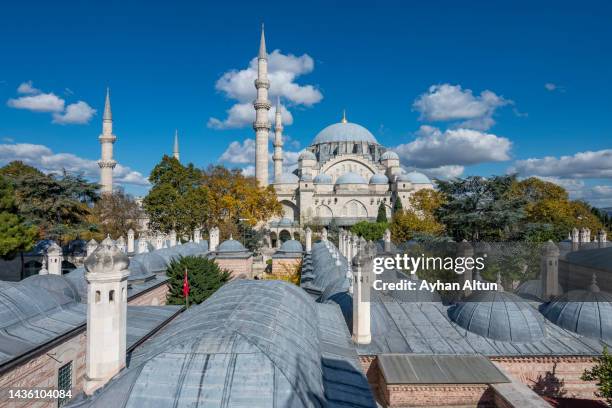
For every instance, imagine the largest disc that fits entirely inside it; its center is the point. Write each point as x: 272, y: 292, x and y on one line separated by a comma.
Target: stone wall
x: 41, y: 371
x: 285, y: 267
x: 154, y: 297
x: 239, y: 267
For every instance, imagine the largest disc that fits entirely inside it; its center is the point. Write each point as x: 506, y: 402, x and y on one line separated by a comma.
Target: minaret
x: 175, y: 151
x: 278, y: 143
x: 262, y: 106
x: 106, y: 162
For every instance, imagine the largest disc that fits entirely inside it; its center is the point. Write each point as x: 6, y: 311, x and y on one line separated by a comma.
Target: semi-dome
x: 414, y: 177
x: 306, y: 177
x: 323, y: 179
x: 344, y: 132
x: 499, y: 316
x: 586, y: 312
x: 231, y: 245
x: 389, y: 155
x: 379, y: 179
x: 307, y: 155
x: 350, y: 178
x: 287, y: 178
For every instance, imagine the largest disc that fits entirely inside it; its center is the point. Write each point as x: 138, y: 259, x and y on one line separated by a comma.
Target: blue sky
x: 426, y: 78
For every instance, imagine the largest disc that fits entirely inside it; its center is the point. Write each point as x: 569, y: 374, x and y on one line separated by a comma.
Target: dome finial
x: 594, y: 287
x: 344, y: 116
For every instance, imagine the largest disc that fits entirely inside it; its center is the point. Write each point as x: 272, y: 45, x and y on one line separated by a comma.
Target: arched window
x: 111, y: 296
x: 97, y: 296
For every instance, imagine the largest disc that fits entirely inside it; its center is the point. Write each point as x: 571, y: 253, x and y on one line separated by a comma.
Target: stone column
x: 106, y: 276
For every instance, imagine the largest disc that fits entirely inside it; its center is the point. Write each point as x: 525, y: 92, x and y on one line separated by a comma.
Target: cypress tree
x: 382, y: 213
x: 204, y: 276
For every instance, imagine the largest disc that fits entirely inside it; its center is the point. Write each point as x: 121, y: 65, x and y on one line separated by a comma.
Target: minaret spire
x: 262, y: 106
x: 107, y: 139
x: 278, y: 142
x: 344, y: 116
x: 175, y: 151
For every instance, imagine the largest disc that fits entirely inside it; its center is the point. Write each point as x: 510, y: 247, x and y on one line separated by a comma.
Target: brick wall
x: 154, y: 297
x: 446, y: 395
x: 237, y: 266
x: 285, y: 267
x: 41, y: 371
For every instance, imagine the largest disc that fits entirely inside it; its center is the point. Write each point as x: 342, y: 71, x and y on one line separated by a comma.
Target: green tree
x: 115, y: 214
x: 477, y: 208
x: 419, y: 221
x: 397, y: 205
x: 371, y: 231
x: 602, y: 374
x: 204, y: 276
x: 382, y: 213
x: 15, y: 235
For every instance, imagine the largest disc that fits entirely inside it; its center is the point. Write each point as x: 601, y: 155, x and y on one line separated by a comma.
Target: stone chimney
x: 106, y: 276
x: 213, y: 235
x: 583, y: 236
x: 308, y: 240
x: 55, y: 257
x: 602, y: 238
x: 43, y: 269
x: 172, y: 238
x: 91, y: 246
x: 121, y: 244
x: 197, y: 235
x: 549, y: 271
x: 130, y: 241
x: 324, y: 234
x: 361, y: 292
x: 142, y: 244
x: 387, y: 240
x: 159, y: 241
x: 465, y: 250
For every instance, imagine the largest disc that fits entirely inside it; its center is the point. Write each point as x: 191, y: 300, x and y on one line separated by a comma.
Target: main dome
x: 344, y: 132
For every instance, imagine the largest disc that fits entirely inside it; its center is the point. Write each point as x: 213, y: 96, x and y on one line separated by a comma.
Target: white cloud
x: 248, y: 171
x: 76, y: 113
x: 27, y: 88
x: 239, y: 153
x: 442, y: 172
x: 597, y: 164
x: 243, y: 114
x: 551, y: 87
x: 447, y: 102
x: 596, y: 195
x: 43, y: 158
x: 453, y: 147
x: 283, y: 70
x: 37, y: 101
x: 42, y: 102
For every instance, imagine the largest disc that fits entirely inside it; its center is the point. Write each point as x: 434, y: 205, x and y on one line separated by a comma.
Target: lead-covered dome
x: 288, y: 178
x: 231, y: 245
x: 499, y: 316
x: 389, y: 155
x: 344, y: 132
x: 414, y: 177
x: 323, y: 179
x: 307, y: 155
x: 350, y: 178
x: 379, y: 179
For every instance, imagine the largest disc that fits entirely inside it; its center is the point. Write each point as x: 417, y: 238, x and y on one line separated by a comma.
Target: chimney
x: 130, y: 241
x: 142, y: 244
x: 549, y: 271
x: 172, y: 238
x: 106, y: 276
x: 324, y: 234
x: 308, y: 240
x: 213, y: 235
x: 361, y: 292
x: 91, y: 246
x: 54, y: 259
x: 387, y: 240
x: 197, y: 235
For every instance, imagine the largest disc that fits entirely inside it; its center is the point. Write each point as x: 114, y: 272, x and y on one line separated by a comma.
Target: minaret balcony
x: 262, y: 83
x: 259, y: 104
x: 104, y: 138
x: 107, y: 163
x: 261, y: 126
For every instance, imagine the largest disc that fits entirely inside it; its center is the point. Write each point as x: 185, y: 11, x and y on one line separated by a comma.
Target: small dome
x: 291, y: 246
x: 106, y: 259
x: 379, y: 179
x: 307, y: 155
x: 231, y: 245
x: 389, y: 155
x: 350, y: 178
x: 417, y: 178
x: 499, y: 316
x: 306, y: 177
x: 287, y: 178
x: 585, y: 312
x: 344, y: 132
x: 323, y: 179
x: 285, y: 222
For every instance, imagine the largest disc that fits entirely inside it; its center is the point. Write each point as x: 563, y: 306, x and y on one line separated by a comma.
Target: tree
x: 476, y: 208
x: 115, y: 214
x: 382, y: 213
x: 419, y: 219
x: 204, y: 276
x: 371, y: 231
x: 397, y: 205
x: 59, y: 205
x: 15, y: 235
x: 602, y: 373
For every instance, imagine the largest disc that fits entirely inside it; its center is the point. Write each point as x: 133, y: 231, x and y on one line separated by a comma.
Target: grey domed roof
x: 306, y: 177
x: 499, y: 316
x: 414, y: 177
x: 379, y: 179
x: 586, y: 312
x: 350, y: 178
x: 152, y: 262
x: 231, y: 245
x: 291, y: 246
x: 344, y: 132
x: 389, y: 155
x: 287, y: 178
x: 323, y: 179
x: 307, y: 155
x: 285, y: 222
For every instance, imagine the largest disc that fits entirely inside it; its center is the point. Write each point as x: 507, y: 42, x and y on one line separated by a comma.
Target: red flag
x: 185, y: 285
